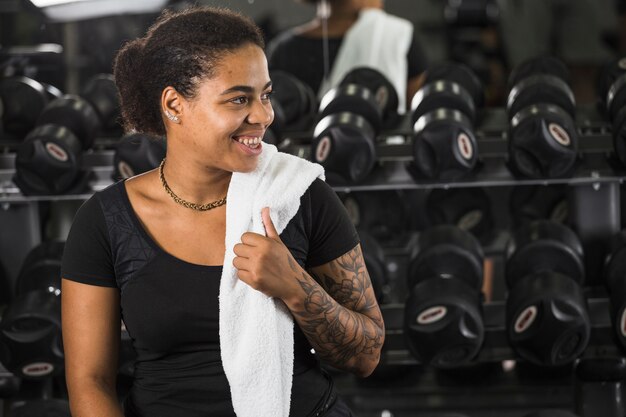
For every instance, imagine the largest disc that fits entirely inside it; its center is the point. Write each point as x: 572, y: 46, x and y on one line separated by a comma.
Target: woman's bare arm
x: 91, y: 337
x: 338, y: 312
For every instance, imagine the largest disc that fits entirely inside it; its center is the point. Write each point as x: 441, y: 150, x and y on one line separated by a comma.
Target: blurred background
x: 517, y: 207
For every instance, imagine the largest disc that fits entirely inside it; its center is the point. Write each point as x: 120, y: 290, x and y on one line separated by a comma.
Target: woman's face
x: 231, y: 108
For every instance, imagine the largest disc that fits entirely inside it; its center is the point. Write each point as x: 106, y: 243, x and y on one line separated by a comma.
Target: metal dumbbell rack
x: 595, y: 190
x: 594, y: 194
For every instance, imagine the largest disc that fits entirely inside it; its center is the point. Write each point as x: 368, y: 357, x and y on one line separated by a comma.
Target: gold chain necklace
x: 193, y: 206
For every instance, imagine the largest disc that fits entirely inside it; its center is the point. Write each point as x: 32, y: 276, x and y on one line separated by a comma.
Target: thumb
x: 270, y: 230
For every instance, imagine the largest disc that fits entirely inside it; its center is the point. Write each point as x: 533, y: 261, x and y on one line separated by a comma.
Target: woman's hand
x: 265, y: 263
x: 337, y: 310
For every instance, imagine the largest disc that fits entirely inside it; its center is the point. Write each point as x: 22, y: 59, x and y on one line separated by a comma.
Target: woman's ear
x: 171, y: 104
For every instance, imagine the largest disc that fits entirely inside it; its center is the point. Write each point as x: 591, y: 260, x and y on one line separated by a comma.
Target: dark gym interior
x: 489, y: 214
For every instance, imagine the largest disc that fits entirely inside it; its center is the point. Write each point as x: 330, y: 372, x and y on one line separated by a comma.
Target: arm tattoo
x: 339, y: 315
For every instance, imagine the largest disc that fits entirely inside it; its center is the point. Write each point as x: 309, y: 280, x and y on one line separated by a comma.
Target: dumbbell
x: 468, y: 209
x: 101, y: 92
x: 615, y: 281
x: 546, y: 311
x: 374, y: 258
x: 30, y: 335
x: 443, y: 115
x: 137, y: 153
x: 293, y: 101
x: 350, y: 117
x: 443, y: 321
x: 52, y: 93
x: 383, y: 214
x: 543, y: 141
x: 49, y: 160
x: 536, y: 202
x: 31, y: 324
x: 41, y: 268
x: 23, y: 99
x: 612, y: 93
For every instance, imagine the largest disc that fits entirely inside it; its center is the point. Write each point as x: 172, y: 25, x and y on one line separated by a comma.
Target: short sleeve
x: 416, y: 57
x: 332, y: 232
x: 87, y: 255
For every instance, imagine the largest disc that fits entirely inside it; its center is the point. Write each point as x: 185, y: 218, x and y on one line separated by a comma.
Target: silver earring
x: 170, y: 116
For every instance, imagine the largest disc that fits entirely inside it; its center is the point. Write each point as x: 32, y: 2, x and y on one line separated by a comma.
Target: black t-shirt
x: 304, y: 57
x: 170, y: 306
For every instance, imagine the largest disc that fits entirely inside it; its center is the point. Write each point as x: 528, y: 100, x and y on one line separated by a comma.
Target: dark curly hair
x: 180, y: 49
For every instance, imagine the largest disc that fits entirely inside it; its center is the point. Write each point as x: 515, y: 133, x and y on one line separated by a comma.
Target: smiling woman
x: 213, y: 257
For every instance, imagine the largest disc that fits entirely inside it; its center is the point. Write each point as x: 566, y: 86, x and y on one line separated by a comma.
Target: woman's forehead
x: 244, y: 66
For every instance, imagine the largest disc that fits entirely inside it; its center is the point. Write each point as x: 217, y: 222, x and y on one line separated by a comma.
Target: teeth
x: 250, y: 142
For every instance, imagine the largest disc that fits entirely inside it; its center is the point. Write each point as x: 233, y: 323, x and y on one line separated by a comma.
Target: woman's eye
x: 267, y: 96
x: 240, y: 100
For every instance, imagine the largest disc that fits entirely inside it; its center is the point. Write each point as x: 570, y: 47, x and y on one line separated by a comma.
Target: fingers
x: 251, y: 239
x: 270, y: 230
x: 242, y: 264
x: 243, y: 250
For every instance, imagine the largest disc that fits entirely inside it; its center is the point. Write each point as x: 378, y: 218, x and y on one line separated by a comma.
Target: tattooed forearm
x: 339, y: 314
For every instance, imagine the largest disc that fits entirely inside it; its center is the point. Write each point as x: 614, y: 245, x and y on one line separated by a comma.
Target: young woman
x: 150, y: 250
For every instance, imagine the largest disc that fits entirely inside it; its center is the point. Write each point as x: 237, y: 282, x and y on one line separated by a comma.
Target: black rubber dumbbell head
x: 615, y: 280
x: 137, y: 153
x: 384, y: 92
x: 546, y: 311
x: 23, y: 99
x: 344, y: 144
x: 444, y: 145
x: 292, y: 96
x: 547, y: 318
x: 544, y: 65
x: 462, y: 75
x: 41, y: 269
x: 611, y: 83
x: 451, y: 86
x: 48, y: 161
x: 101, y: 92
x: 540, y: 80
x: 374, y: 258
x: 544, y: 246
x: 31, y: 334
x: 52, y: 93
x: 352, y: 98
x: 543, y: 142
x: 447, y: 251
x: 76, y: 114
x: 443, y: 322
x: 443, y: 318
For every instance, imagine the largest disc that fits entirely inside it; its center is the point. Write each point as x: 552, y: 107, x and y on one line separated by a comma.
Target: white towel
x: 376, y: 40
x: 256, y: 331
